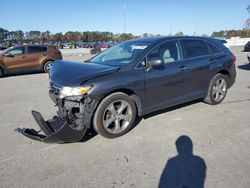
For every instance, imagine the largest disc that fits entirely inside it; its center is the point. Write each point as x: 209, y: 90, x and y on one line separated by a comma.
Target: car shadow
x: 244, y: 66
x: 91, y: 133
x: 21, y: 74
x: 184, y: 170
x: 152, y: 114
x: 245, y: 51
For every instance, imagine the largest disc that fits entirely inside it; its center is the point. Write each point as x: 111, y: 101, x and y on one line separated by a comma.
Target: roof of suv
x: 39, y: 45
x: 163, y: 38
x: 160, y: 39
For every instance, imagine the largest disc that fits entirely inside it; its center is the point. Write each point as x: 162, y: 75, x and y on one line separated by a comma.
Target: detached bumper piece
x: 56, y: 130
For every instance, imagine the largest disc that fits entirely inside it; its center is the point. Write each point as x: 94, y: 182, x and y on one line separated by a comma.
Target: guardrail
x: 235, y: 41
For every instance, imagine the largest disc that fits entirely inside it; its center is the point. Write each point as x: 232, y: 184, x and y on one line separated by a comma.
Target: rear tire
x: 47, y: 66
x: 115, y: 115
x: 217, y: 89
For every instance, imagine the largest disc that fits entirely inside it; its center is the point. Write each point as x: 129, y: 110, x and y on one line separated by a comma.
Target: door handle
x: 212, y: 60
x: 183, y: 68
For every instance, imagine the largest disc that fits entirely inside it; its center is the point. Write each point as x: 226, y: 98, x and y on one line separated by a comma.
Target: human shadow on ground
x: 184, y: 170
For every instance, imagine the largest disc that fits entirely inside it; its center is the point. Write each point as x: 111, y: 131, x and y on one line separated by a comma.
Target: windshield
x: 120, y: 54
x: 3, y: 52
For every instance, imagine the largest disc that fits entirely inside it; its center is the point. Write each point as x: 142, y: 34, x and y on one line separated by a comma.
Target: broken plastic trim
x: 56, y: 130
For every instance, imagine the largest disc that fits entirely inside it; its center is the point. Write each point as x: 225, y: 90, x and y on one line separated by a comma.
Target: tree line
x: 70, y: 36
x: 243, y: 33
x: 18, y: 36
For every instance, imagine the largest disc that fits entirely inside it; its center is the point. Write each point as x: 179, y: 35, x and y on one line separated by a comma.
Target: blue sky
x: 142, y: 16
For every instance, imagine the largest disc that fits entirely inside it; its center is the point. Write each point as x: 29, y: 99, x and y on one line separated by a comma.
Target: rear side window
x: 44, y: 49
x: 34, y: 49
x: 214, y: 49
x: 195, y: 48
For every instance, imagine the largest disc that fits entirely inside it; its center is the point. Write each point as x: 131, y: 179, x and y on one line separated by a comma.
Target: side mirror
x: 8, y: 55
x: 155, y: 62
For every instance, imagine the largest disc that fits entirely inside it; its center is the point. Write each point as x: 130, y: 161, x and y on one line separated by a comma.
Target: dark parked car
x: 130, y: 79
x: 96, y: 50
x: 104, y: 45
x: 2, y: 48
x: 247, y: 46
x: 25, y: 58
x: 88, y: 45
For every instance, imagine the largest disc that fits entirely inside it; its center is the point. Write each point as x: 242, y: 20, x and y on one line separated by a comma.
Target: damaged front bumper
x: 55, y: 130
x: 71, y: 124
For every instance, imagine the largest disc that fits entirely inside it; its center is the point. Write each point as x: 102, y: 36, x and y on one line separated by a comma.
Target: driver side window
x: 168, y: 52
x: 17, y: 51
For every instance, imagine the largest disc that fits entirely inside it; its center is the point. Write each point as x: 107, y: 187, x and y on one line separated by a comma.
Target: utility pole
x: 124, y: 16
x: 247, y: 22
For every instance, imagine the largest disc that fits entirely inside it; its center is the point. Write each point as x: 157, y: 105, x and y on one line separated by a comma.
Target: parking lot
x: 220, y: 136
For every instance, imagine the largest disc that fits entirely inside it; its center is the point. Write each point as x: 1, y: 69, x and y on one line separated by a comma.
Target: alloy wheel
x: 48, y: 66
x: 117, y: 116
x: 219, y: 90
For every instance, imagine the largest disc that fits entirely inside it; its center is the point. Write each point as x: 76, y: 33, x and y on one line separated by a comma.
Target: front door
x: 14, y: 59
x: 165, y: 85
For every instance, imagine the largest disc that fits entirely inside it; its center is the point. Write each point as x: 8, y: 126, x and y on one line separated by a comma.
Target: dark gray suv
x: 130, y: 79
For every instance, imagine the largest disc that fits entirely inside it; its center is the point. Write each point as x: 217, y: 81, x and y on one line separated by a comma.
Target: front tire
x: 47, y: 66
x: 217, y: 89
x: 1, y: 72
x: 115, y: 115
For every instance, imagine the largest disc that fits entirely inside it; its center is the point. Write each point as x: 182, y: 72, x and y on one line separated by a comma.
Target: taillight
x: 233, y: 58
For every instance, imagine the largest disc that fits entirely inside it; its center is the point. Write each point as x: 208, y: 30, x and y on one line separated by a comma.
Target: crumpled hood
x: 67, y: 73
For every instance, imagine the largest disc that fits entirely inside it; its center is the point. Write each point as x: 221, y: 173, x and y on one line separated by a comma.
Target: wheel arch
x: 136, y: 98
x: 225, y: 72
x: 45, y: 61
x: 209, y: 99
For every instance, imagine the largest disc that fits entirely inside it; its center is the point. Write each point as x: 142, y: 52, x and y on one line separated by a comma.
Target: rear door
x: 33, y: 56
x: 197, y: 61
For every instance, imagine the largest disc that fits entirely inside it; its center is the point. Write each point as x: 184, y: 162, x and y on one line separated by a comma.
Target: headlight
x: 71, y: 91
